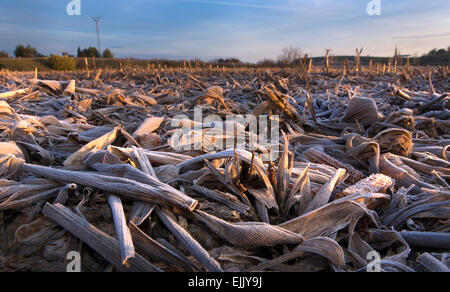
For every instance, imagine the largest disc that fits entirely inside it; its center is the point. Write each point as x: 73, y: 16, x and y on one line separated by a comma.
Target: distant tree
x: 432, y: 53
x: 266, y: 63
x: 92, y: 52
x: 4, y: 54
x: 229, y: 61
x: 233, y: 60
x: 19, y: 52
x: 289, y: 55
x: 64, y: 63
x: 436, y: 57
x: 89, y: 52
x: 441, y: 53
x: 108, y: 54
x: 26, y: 52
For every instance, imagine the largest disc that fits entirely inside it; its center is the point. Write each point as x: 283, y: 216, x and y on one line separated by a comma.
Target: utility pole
x: 97, y: 19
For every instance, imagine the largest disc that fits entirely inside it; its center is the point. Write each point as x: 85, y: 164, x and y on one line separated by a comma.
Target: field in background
x: 42, y: 64
x: 335, y: 62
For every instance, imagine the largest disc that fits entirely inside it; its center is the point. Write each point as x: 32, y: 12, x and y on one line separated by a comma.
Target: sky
x: 250, y: 30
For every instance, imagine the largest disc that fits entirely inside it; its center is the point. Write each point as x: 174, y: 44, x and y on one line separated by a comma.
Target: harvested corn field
x: 216, y: 169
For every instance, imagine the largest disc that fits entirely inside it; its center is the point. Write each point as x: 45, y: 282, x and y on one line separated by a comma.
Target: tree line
x: 28, y: 51
x: 289, y: 56
x: 93, y: 52
x: 436, y: 57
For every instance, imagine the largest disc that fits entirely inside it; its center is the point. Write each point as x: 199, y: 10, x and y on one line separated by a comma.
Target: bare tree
x: 289, y: 55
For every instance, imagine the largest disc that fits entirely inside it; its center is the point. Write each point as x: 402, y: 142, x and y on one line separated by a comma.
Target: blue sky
x: 247, y: 29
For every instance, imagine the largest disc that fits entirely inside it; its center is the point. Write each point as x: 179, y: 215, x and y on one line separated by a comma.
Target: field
x: 42, y: 64
x: 336, y: 62
x: 147, y: 168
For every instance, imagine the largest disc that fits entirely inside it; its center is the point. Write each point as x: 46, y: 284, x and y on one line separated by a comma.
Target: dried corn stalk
x: 361, y: 110
x: 323, y: 196
x: 98, y: 144
x: 197, y: 251
x: 317, y: 156
x: 144, y: 134
x: 281, y: 103
x: 365, y: 151
x: 396, y: 141
x: 157, y: 192
x: 211, y: 95
x: 248, y: 234
x: 102, y: 243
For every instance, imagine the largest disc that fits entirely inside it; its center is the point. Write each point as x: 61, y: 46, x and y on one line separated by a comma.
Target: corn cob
x: 376, y: 183
x: 149, y: 140
x: 317, y: 156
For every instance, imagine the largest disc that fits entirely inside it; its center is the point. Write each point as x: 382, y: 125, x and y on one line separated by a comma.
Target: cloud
x: 240, y: 5
x: 29, y: 30
x: 426, y: 36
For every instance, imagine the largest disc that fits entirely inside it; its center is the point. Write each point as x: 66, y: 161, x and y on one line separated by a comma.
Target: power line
x: 97, y: 19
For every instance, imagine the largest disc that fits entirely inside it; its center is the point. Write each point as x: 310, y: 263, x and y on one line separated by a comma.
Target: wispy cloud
x: 426, y: 36
x: 240, y: 5
x: 17, y: 28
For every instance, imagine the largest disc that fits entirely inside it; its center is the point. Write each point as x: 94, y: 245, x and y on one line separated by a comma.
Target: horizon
x: 248, y: 30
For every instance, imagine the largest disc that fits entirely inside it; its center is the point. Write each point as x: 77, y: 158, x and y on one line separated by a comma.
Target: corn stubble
x: 363, y: 167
